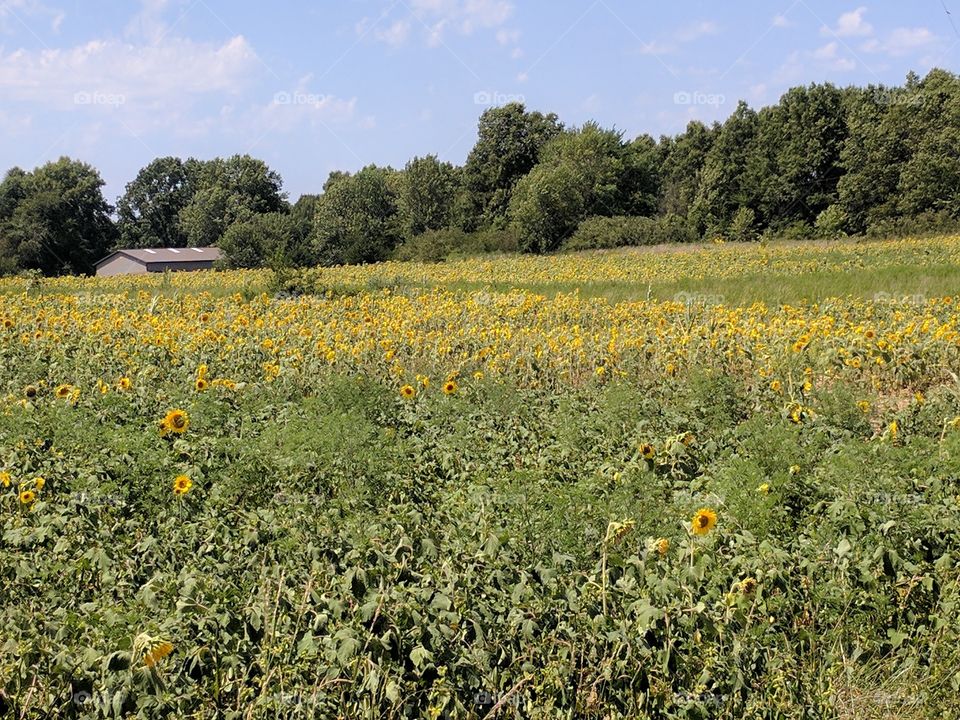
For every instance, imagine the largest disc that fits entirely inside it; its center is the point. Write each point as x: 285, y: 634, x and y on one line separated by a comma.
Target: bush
x: 927, y: 223
x: 597, y: 233
x: 743, y: 227
x: 431, y: 246
x: 831, y: 223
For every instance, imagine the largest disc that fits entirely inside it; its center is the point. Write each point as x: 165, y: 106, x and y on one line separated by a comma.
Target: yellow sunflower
x: 449, y: 387
x: 39, y: 483
x: 182, y: 485
x: 662, y: 546
x: 158, y: 653
x: 63, y: 391
x: 176, y: 421
x: 5, y: 479
x: 647, y: 451
x: 125, y: 383
x: 30, y: 392
x: 201, y: 384
x: 27, y: 497
x: 703, y: 521
x: 407, y: 392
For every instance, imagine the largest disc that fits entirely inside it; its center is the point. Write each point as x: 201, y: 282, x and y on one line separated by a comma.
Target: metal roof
x: 148, y: 256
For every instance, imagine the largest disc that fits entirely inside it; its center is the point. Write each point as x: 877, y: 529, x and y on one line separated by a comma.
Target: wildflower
x: 919, y: 398
x: 893, y: 429
x: 863, y: 406
x: 793, y: 469
x: 601, y: 371
x: 182, y: 485
x: 703, y: 521
x: 124, y: 383
x: 39, y: 483
x: 764, y: 488
x: 748, y: 586
x: 157, y: 654
x: 449, y: 387
x: 63, y: 391
x: 176, y: 421
x: 407, y: 392
x: 647, y: 451
x: 5, y: 479
x: 662, y: 546
x: 776, y: 386
x: 201, y: 384
x: 27, y: 497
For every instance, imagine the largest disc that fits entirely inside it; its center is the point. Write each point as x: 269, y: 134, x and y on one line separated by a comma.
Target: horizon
x: 117, y: 87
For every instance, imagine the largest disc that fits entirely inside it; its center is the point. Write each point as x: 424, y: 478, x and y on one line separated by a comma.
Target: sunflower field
x: 709, y: 482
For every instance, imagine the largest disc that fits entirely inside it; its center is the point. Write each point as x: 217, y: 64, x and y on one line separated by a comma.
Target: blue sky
x: 316, y: 86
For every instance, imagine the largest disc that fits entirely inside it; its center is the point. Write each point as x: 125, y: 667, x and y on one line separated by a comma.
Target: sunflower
x: 63, y: 391
x: 703, y: 521
x: 407, y: 392
x: 124, y: 383
x: 30, y: 392
x: 748, y: 586
x: 764, y: 488
x: 601, y: 371
x: 39, y: 483
x: 449, y: 387
x: 5, y: 479
x: 176, y: 421
x: 776, y: 386
x: 201, y: 384
x: 27, y: 497
x: 182, y: 485
x: 647, y: 451
x: 158, y: 653
x: 662, y: 546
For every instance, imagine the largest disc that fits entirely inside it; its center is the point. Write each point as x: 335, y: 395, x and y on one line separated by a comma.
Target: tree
x: 55, y: 219
x: 148, y: 213
x: 428, y: 192
x: 229, y: 191
x: 724, y: 184
x: 259, y: 241
x: 357, y: 219
x: 581, y: 174
x: 681, y: 167
x: 509, y: 145
x: 794, y: 166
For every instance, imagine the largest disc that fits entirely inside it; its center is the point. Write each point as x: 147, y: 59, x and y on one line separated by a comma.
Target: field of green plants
x: 444, y: 498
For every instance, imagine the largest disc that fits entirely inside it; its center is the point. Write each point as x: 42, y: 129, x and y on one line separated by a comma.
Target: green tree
x: 55, y: 219
x: 260, y: 241
x: 228, y: 191
x: 148, y: 213
x: 428, y: 193
x: 724, y: 186
x: 509, y: 145
x: 357, y: 219
x: 580, y: 175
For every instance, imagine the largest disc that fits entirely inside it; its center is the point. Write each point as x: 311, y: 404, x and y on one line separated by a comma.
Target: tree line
x: 824, y: 161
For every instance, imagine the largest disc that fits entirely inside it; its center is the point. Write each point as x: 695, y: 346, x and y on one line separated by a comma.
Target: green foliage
x: 743, y: 226
x: 357, y: 219
x: 148, y: 213
x: 428, y: 194
x: 54, y: 219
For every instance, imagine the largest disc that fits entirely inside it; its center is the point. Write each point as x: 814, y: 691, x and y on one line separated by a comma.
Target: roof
x: 148, y: 256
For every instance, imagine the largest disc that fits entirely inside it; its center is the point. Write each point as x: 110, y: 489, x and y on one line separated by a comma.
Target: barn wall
x: 121, y: 265
x: 179, y: 266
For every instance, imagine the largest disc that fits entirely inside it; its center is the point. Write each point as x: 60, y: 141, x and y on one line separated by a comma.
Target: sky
x: 312, y: 86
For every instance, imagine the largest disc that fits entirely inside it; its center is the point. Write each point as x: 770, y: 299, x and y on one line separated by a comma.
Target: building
x: 151, y: 260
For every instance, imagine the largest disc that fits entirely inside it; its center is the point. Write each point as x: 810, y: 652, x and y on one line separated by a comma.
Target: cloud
x: 829, y: 55
x: 19, y: 15
x: 153, y: 75
x: 697, y: 31
x: 440, y: 17
x: 903, y: 41
x: 780, y: 21
x: 850, y: 24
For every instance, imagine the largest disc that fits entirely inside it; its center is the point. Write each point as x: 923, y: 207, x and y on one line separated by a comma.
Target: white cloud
x: 830, y: 55
x: 464, y: 17
x: 20, y: 16
x: 158, y: 75
x: 903, y: 41
x: 697, y: 31
x: 851, y: 24
x: 396, y: 34
x: 780, y: 21
x: 655, y: 48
